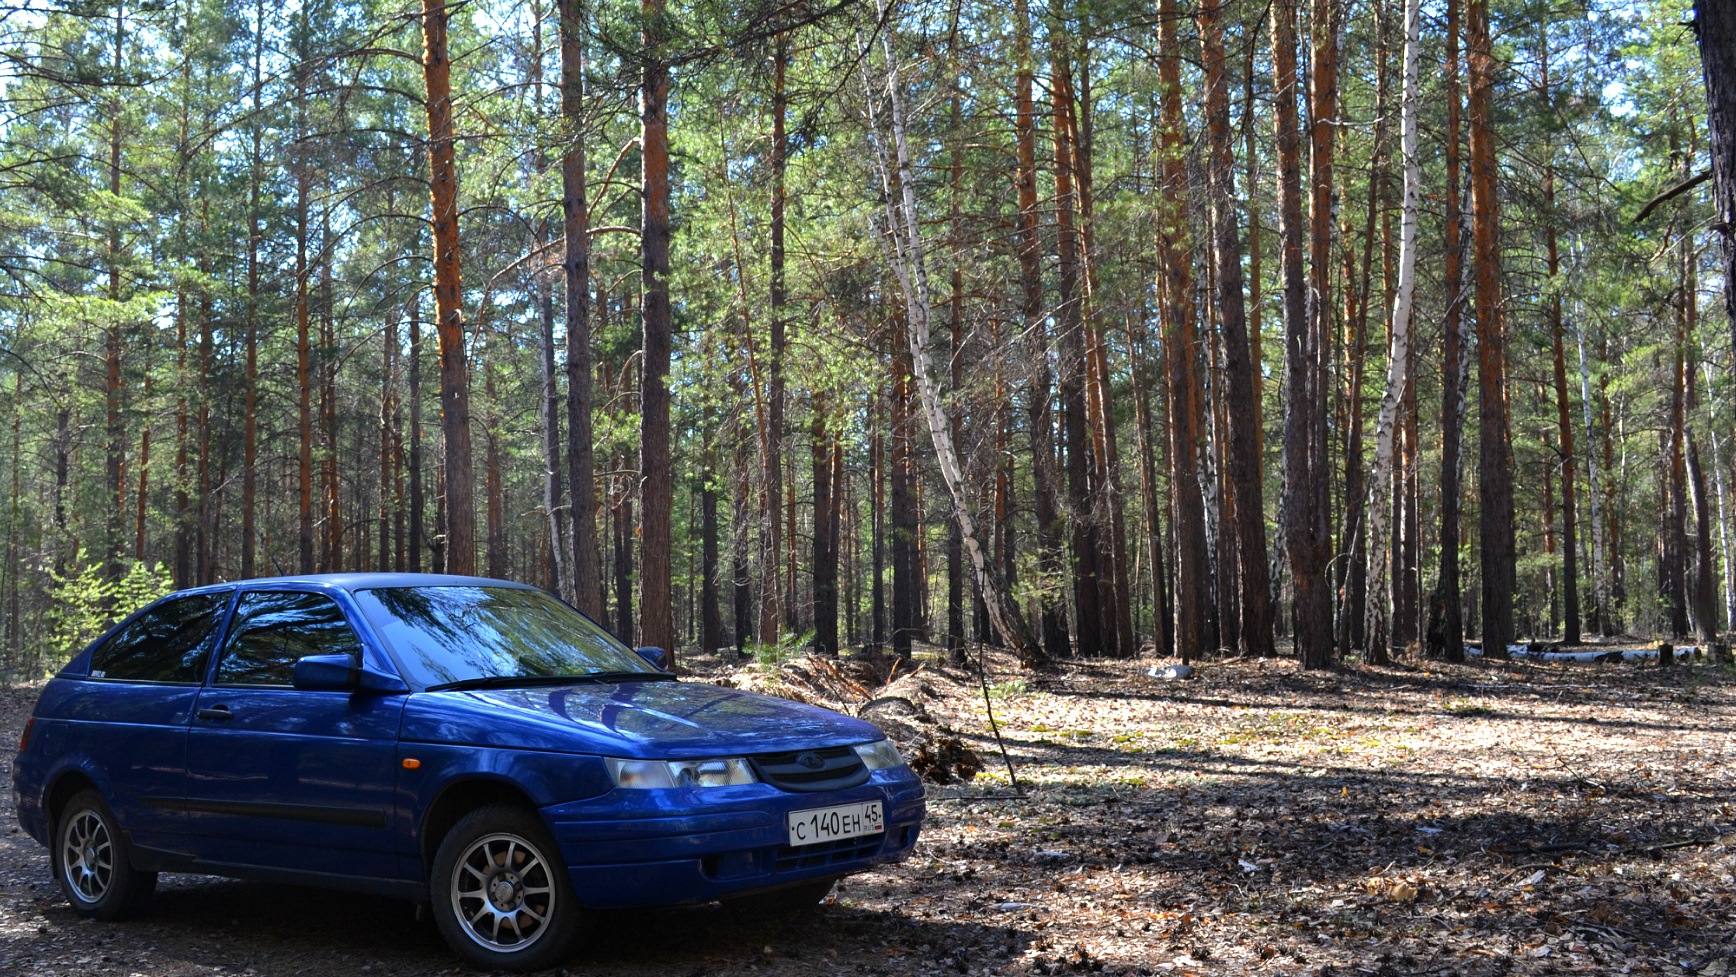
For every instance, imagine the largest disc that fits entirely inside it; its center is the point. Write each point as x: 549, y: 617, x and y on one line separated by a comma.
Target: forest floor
x: 1424, y: 818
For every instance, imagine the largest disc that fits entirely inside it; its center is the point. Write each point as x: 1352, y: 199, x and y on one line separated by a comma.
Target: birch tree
x: 898, y: 186
x: 1398, y: 364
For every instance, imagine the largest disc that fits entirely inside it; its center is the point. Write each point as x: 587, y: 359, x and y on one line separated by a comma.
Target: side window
x: 169, y: 643
x: 275, y: 628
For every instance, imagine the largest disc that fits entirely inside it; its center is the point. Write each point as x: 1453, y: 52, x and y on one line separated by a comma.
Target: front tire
x: 93, y: 862
x: 500, y: 893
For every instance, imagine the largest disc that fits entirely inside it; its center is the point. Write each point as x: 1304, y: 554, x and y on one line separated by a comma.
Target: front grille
x: 828, y: 853
x: 833, y: 768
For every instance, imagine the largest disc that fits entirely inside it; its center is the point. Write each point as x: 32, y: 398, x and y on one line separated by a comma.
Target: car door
x: 129, y: 713
x: 281, y: 778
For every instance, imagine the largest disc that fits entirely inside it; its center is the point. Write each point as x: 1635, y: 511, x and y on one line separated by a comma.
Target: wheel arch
x: 459, y: 798
x: 62, y: 789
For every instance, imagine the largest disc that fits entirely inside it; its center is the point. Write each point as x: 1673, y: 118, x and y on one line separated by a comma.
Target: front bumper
x: 635, y: 848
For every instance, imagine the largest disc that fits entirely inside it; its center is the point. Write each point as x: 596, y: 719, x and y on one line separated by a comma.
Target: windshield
x: 443, y: 635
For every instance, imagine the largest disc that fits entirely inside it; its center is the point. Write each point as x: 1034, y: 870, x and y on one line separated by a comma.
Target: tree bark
x: 1034, y: 324
x: 1307, y: 536
x: 656, y: 615
x: 1495, y: 459
x: 1193, y: 635
x: 1446, y: 631
x: 587, y: 592
x: 897, y: 176
x: 1070, y: 326
x: 418, y: 503
x: 1376, y: 629
x: 1248, y: 498
x: 460, y: 526
x: 1715, y: 28
x: 772, y: 608
x: 1563, y: 410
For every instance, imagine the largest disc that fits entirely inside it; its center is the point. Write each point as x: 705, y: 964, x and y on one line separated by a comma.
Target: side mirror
x: 341, y: 673
x: 327, y: 673
x: 658, y: 658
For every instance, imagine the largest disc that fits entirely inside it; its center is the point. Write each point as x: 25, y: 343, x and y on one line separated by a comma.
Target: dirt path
x: 1478, y: 819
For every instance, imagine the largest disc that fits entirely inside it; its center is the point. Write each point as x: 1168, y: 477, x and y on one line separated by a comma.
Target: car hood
x: 632, y: 719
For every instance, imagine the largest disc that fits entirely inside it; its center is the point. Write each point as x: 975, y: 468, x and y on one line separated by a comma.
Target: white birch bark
x: 1398, y: 364
x: 912, y: 274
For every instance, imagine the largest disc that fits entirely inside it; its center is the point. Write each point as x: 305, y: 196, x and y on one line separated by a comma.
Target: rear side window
x: 168, y: 643
x: 275, y: 628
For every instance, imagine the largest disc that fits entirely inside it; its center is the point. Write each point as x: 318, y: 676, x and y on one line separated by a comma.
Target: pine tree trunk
x: 1446, y: 631
x: 1070, y: 325
x: 772, y: 594
x: 303, y: 377
x: 1307, y: 537
x: 1715, y: 28
x: 1495, y: 461
x: 575, y: 230
x: 1563, y: 410
x: 418, y: 503
x: 1181, y: 339
x: 1243, y: 477
x: 825, y: 546
x: 460, y: 525
x: 1033, y: 323
x: 656, y: 616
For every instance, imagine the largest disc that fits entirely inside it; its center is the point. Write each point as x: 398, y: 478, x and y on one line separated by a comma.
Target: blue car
x: 473, y: 745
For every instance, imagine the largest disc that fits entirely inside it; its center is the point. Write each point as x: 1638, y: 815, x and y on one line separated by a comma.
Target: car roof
x: 368, y: 581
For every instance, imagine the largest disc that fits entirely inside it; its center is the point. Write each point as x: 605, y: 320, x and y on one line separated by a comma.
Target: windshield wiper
x: 623, y: 677
x: 524, y: 681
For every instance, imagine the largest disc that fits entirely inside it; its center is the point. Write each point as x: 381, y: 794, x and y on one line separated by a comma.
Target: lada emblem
x: 812, y: 761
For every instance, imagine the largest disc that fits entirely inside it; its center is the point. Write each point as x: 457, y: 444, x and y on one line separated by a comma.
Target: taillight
x: 24, y: 740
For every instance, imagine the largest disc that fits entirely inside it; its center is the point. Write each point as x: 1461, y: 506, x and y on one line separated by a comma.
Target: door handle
x: 217, y: 713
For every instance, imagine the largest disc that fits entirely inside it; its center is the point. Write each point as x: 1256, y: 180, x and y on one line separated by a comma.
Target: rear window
x: 171, y: 642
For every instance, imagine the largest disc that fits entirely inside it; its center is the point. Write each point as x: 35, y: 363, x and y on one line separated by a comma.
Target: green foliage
x: 84, y: 602
x: 787, y: 647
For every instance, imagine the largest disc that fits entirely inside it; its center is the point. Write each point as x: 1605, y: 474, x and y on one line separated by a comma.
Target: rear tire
x: 93, y: 861
x: 500, y: 893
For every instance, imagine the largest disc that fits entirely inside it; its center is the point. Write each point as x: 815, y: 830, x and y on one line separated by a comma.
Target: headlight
x: 879, y: 755
x: 651, y: 774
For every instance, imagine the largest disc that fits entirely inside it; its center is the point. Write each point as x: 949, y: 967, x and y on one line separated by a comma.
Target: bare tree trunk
x: 772, y: 608
x: 1446, y: 632
x: 656, y: 616
x: 418, y: 504
x: 1398, y: 362
x: 825, y: 547
x: 1307, y: 536
x: 1070, y: 325
x: 1034, y: 324
x: 897, y: 177
x: 255, y: 235
x: 303, y: 376
x: 575, y: 229
x: 1243, y: 402
x: 460, y: 525
x: 1495, y: 465
x: 1715, y: 28
x: 1193, y: 581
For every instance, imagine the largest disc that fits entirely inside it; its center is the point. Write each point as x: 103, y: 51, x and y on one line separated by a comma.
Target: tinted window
x: 275, y: 628
x: 168, y: 643
x: 451, y: 634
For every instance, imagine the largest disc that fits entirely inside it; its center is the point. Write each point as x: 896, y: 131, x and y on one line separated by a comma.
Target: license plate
x: 832, y: 823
